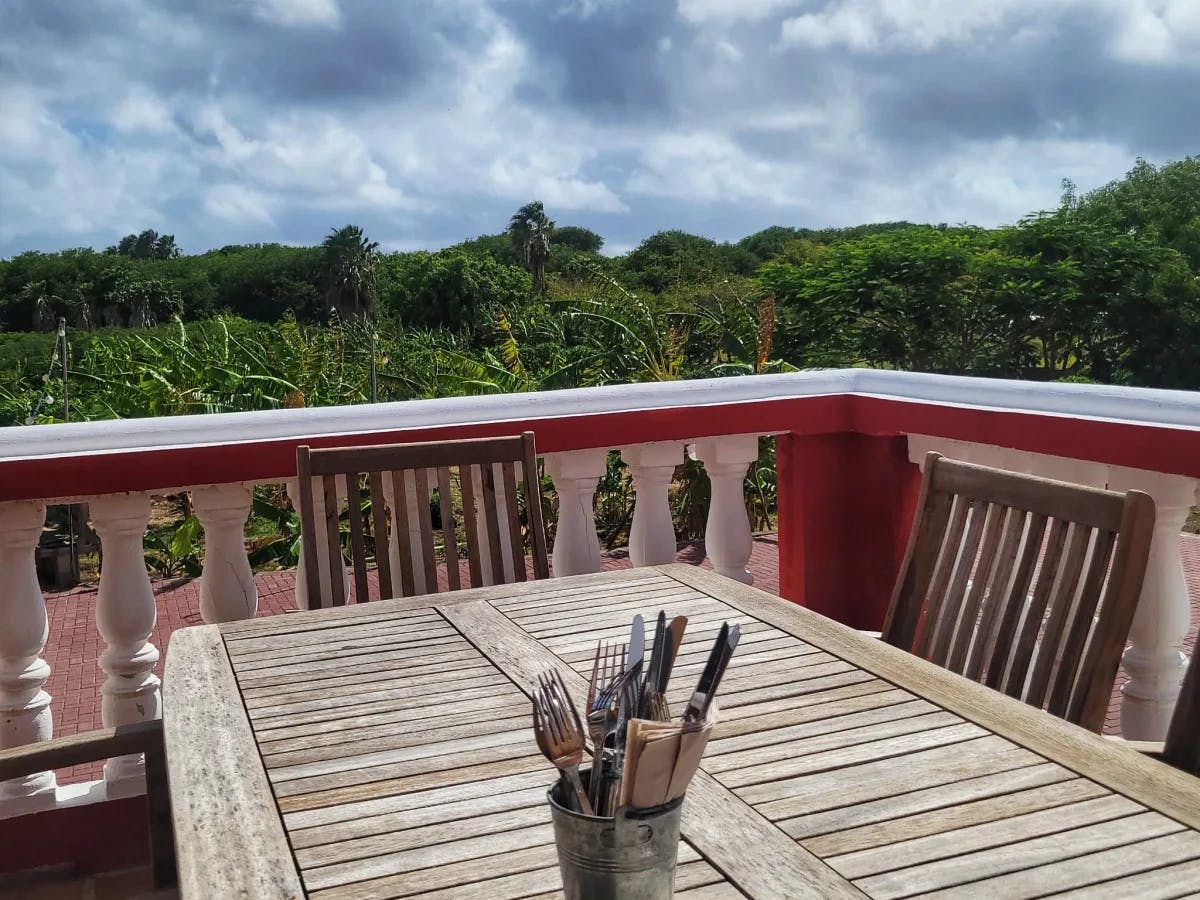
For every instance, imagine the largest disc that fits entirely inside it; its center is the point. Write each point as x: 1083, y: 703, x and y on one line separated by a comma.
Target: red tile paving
x: 74, y: 645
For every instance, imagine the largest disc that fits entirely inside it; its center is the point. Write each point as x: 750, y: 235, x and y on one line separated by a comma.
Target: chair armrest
x: 871, y: 634
x: 142, y: 737
x: 74, y: 749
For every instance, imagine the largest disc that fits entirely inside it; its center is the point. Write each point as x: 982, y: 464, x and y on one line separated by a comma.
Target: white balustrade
x: 1153, y: 660
x: 125, y: 617
x: 293, y: 492
x: 652, y: 533
x: 576, y: 474
x: 727, y: 538
x: 227, y: 589
x: 25, y: 715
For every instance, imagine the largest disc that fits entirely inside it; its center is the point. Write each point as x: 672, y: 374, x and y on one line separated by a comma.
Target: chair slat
x: 337, y: 565
x: 932, y: 513
x: 358, y: 546
x: 996, y: 591
x: 383, y: 558
x: 449, y: 539
x: 466, y: 477
x: 1118, y: 605
x: 947, y: 557
x: 308, y: 527
x: 533, y: 506
x: 1015, y: 599
x: 1049, y: 649
x: 971, y: 619
x: 492, y: 522
x: 1035, y: 611
x: 425, y: 524
x: 947, y: 619
x: 516, y: 545
x: 1063, y: 693
x: 403, y: 532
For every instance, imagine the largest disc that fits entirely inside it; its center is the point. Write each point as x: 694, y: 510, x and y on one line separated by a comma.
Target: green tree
x: 349, y: 270
x: 147, y: 245
x: 575, y: 237
x: 451, y: 289
x: 530, y: 231
x: 1161, y: 204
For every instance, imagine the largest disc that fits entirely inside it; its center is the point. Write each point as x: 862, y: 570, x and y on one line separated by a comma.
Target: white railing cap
x: 1163, y: 408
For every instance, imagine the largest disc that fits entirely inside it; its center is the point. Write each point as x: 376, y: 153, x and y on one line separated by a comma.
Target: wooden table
x: 385, y: 750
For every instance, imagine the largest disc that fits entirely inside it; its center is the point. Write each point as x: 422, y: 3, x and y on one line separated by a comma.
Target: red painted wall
x: 846, y: 504
x: 96, y: 837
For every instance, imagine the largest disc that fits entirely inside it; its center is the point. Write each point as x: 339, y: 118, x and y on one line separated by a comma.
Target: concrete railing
x: 846, y: 441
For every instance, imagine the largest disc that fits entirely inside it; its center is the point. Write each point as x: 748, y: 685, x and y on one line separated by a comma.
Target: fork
x: 559, y: 732
x: 607, y: 676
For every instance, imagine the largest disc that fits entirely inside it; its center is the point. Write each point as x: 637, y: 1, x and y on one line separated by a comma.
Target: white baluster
x: 24, y: 704
x: 727, y: 539
x: 125, y: 617
x: 652, y: 534
x: 293, y: 492
x: 227, y: 589
x: 1153, y: 660
x: 576, y: 474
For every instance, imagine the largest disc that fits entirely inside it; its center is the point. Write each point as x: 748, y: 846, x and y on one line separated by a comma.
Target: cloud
x: 273, y: 120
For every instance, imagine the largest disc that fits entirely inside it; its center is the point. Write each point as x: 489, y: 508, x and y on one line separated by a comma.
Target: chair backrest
x: 1182, y: 747
x: 1024, y: 584
x: 419, y: 483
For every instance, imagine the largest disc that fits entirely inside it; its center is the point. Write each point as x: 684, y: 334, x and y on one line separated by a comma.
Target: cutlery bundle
x: 642, y: 757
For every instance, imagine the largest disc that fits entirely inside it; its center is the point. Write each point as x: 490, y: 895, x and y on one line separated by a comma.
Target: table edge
x: 229, y: 836
x: 1125, y: 771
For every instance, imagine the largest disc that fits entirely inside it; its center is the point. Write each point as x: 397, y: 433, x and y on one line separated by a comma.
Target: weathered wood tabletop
x: 385, y: 750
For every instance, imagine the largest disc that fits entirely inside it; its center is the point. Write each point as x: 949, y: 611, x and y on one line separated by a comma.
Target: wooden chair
x: 1021, y: 583
x: 487, y: 481
x: 1181, y: 749
x: 76, y: 749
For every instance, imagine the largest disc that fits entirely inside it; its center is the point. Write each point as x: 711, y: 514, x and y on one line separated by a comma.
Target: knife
x: 674, y: 639
x: 658, y: 653
x: 637, y: 643
x: 708, y: 675
x: 731, y: 642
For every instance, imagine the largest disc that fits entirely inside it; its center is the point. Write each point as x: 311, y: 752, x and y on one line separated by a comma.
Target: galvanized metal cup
x: 629, y: 857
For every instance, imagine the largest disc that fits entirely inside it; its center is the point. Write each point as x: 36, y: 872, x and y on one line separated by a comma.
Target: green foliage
x: 575, y: 237
x: 672, y: 258
x: 147, y: 245
x: 348, y: 269
x: 175, y: 549
x: 450, y: 289
x: 1160, y: 204
x: 530, y: 232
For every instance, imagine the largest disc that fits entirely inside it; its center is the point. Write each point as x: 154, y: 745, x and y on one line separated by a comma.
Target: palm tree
x: 530, y: 231
x: 350, y: 270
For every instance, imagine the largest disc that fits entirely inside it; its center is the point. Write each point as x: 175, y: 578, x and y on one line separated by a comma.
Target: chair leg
x: 158, y: 799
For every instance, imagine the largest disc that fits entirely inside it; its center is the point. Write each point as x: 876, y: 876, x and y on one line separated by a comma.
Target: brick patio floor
x: 73, y: 647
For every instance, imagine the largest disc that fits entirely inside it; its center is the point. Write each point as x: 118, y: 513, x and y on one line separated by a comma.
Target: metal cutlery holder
x: 629, y: 857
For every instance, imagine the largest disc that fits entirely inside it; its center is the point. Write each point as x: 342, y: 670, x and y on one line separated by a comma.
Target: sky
x: 242, y: 121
